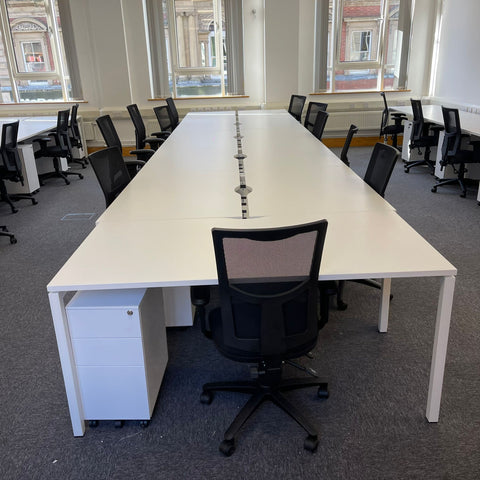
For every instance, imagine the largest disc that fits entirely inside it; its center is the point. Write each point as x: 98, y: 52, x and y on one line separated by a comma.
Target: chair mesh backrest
x: 164, y: 118
x: 344, y: 154
x: 320, y: 123
x: 380, y: 167
x: 312, y: 111
x: 111, y: 172
x: 453, y: 132
x: 296, y: 106
x: 418, y: 120
x: 74, y: 129
x: 384, y: 120
x: 109, y: 132
x: 62, y: 129
x: 8, y: 148
x: 173, y: 112
x: 268, y: 286
x: 140, y: 131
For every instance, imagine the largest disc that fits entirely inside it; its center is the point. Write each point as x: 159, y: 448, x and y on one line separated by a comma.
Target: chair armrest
x: 163, y: 135
x: 138, y: 163
x: 144, y: 152
x: 154, y: 141
x: 398, y: 115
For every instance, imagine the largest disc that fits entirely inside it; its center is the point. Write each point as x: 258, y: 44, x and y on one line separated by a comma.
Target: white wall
x: 458, y: 68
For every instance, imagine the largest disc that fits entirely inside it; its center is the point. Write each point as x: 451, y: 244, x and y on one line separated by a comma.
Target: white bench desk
x: 168, y: 233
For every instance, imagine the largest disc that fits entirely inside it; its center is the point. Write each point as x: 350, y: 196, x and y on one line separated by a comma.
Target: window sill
x: 360, y: 91
x: 219, y: 97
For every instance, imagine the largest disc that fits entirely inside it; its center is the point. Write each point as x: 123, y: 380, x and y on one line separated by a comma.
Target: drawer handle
x: 129, y: 312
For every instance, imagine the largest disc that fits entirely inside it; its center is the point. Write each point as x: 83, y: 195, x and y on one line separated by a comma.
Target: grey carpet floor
x: 371, y: 427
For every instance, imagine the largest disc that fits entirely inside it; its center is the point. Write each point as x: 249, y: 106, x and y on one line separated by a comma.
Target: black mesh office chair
x: 312, y: 111
x: 110, y: 135
x: 346, y: 146
x: 295, y: 107
x: 379, y: 170
x: 423, y: 135
x: 173, y: 112
x: 320, y: 122
x: 268, y: 314
x: 394, y: 129
x: 11, y: 166
x: 452, y: 152
x: 61, y: 148
x: 111, y: 172
x: 141, y: 138
x: 75, y: 137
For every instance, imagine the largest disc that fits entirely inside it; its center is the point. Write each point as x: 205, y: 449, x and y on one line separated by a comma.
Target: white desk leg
x: 442, y: 326
x: 67, y: 361
x: 384, y: 305
x: 177, y: 307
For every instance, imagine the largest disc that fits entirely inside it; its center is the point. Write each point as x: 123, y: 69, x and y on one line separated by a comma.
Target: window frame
x: 14, y: 73
x: 329, y: 40
x: 175, y: 69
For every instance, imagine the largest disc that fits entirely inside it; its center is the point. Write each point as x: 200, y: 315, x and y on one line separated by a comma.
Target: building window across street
x: 362, y: 44
x: 33, y: 66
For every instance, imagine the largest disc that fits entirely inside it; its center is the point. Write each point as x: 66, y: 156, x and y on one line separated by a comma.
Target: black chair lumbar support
x: 11, y: 166
x: 141, y: 139
x: 423, y: 135
x: 268, y: 314
x: 61, y: 148
x: 111, y: 172
x: 452, y: 152
x: 319, y: 125
x: 295, y: 107
x: 311, y: 115
x: 394, y: 129
x: 379, y: 170
x: 75, y: 137
x: 110, y: 135
x: 346, y: 146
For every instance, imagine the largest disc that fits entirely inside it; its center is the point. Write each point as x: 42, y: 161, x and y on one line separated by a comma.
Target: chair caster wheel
x: 434, y: 190
x: 144, y: 423
x: 81, y: 176
x: 118, y: 423
x: 463, y: 195
x: 311, y: 443
x: 227, y: 447
x: 34, y: 202
x: 13, y: 240
x: 93, y: 423
x: 406, y: 170
x: 322, y: 391
x: 67, y: 182
x: 341, y: 305
x: 206, y: 398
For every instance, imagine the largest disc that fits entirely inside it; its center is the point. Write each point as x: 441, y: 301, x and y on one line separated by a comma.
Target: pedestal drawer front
x: 104, y: 322
x: 108, y: 351
x: 114, y: 393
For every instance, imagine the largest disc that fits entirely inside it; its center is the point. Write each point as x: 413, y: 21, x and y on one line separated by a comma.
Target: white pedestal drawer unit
x: 120, y: 350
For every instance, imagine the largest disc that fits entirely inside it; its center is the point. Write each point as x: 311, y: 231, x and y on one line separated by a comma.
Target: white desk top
x: 166, y: 253
x: 470, y: 122
x: 194, y: 173
x: 30, y: 126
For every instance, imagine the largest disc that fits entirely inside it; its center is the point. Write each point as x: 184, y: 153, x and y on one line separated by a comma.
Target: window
x: 361, y: 45
x: 196, y: 47
x: 33, y: 66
